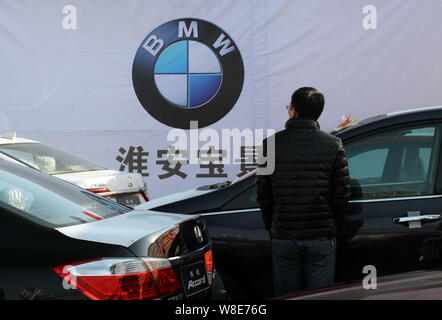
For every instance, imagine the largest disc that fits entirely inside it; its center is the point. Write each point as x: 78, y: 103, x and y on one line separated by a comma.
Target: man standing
x: 304, y: 201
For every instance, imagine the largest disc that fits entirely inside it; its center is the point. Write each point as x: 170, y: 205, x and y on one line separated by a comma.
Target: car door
x: 394, y: 203
x: 241, y: 245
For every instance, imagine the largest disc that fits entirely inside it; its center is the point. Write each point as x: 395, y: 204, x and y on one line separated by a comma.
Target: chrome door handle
x: 422, y: 218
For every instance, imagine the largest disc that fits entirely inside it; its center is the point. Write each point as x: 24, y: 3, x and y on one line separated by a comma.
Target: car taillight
x: 144, y: 193
x: 145, y: 197
x: 98, y: 190
x: 121, y: 278
x: 208, y: 259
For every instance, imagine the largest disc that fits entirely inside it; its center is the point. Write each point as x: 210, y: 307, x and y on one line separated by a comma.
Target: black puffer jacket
x: 307, y: 195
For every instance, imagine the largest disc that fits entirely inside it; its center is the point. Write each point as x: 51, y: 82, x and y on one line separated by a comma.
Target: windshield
x: 47, y: 159
x: 49, y: 200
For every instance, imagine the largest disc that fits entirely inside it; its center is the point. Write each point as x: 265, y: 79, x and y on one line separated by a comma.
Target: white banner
x: 75, y: 74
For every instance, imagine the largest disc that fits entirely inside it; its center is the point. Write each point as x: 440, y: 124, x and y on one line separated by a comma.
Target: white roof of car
x: 11, y: 138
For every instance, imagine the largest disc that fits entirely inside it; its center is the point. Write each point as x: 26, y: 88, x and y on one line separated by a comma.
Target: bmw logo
x: 188, y: 70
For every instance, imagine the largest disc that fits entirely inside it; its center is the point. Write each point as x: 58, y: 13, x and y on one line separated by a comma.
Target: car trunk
x: 182, y: 239
x: 140, y: 230
x: 124, y: 188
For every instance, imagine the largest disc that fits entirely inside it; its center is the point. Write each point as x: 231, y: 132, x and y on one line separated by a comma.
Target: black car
x: 59, y: 241
x: 396, y: 203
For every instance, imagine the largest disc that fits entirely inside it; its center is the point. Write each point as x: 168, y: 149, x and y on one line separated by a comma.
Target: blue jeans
x: 303, y: 264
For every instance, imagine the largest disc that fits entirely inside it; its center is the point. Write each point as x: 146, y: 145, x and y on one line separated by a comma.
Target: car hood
x: 127, y: 228
x: 114, y: 181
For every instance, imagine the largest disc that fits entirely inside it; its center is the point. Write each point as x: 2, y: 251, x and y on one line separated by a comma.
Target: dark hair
x: 308, y: 103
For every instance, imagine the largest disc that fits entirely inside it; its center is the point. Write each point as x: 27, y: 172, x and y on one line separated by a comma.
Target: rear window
x: 47, y: 159
x: 49, y: 200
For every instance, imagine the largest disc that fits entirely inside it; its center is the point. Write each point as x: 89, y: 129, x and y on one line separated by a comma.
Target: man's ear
x: 295, y: 113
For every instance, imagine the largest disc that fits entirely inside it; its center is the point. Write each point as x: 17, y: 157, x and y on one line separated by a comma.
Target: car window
x: 54, y: 202
x: 368, y: 165
x: 47, y: 159
x: 395, y: 163
x: 245, y: 200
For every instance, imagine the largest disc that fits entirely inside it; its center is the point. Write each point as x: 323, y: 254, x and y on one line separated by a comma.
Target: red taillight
x: 125, y: 279
x: 208, y: 259
x: 98, y: 190
x: 144, y: 193
x: 167, y: 281
x: 145, y: 196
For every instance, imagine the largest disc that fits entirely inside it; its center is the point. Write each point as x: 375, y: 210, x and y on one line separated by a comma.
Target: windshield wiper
x: 218, y: 185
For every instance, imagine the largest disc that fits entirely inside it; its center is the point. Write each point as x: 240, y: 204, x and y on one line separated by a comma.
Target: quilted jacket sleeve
x: 340, y: 189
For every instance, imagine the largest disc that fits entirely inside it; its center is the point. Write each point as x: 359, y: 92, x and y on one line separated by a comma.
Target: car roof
x: 16, y: 140
x: 390, y: 119
x: 10, y: 138
x: 396, y: 113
